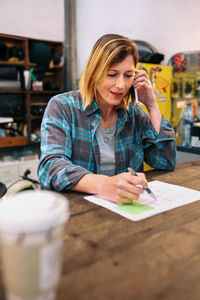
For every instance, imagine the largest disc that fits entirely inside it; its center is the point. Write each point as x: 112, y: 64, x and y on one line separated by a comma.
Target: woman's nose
x: 120, y: 83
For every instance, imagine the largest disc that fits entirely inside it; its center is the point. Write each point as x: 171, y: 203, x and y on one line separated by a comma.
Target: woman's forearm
x: 121, y: 188
x: 155, y: 117
x: 90, y: 183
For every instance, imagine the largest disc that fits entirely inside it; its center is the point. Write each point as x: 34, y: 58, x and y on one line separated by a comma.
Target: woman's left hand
x: 144, y: 89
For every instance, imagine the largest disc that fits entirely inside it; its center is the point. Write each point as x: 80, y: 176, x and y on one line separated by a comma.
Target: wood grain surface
x: 109, y: 257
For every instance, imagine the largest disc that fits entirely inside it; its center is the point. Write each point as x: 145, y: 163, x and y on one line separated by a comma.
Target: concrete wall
x: 169, y: 25
x: 40, y: 19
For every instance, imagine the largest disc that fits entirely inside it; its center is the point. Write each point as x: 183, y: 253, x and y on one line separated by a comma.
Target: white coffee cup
x: 31, y: 236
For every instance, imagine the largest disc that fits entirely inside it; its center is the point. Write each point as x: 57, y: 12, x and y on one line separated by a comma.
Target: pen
x: 132, y: 172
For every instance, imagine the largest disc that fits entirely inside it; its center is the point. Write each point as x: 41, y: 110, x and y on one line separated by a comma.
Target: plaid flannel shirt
x: 69, y: 145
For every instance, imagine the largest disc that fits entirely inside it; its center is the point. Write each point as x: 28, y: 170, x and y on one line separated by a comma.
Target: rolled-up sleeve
x: 159, y: 149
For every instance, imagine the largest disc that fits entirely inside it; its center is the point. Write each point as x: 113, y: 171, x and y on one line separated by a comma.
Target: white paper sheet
x: 168, y: 197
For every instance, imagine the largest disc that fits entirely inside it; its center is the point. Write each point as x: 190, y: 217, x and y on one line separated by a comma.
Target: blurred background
x: 44, y: 46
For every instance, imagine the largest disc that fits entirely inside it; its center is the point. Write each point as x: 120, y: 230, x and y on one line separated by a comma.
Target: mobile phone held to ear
x: 133, y: 93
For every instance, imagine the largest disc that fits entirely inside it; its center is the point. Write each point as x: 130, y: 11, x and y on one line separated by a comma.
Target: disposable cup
x: 31, y: 239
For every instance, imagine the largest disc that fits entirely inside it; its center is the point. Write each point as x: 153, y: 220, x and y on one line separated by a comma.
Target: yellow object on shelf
x: 161, y: 79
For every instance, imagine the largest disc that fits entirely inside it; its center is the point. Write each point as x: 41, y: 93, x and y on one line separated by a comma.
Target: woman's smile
x: 117, y: 94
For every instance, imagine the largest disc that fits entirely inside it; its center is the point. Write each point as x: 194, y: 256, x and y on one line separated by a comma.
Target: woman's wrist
x: 152, y: 108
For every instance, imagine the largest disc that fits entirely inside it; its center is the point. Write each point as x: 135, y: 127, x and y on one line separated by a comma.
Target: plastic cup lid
x: 33, y: 211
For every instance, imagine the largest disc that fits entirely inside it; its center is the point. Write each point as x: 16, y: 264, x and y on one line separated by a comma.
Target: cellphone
x: 133, y: 93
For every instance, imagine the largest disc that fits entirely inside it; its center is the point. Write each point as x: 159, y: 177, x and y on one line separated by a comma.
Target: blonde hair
x: 109, y: 49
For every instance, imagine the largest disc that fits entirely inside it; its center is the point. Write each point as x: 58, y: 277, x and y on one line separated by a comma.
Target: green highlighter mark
x: 134, y: 209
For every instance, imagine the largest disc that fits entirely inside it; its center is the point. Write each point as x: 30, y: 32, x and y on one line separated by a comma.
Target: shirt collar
x: 123, y: 113
x: 92, y: 108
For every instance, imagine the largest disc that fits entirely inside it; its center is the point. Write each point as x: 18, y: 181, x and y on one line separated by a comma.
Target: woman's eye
x: 111, y: 75
x: 129, y: 75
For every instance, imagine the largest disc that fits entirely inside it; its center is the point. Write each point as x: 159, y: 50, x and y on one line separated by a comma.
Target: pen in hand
x: 132, y: 172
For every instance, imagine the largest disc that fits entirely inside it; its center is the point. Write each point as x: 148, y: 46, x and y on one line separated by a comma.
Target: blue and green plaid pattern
x: 69, y: 146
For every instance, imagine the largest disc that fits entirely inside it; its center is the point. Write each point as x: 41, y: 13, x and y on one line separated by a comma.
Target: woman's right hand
x: 122, y: 188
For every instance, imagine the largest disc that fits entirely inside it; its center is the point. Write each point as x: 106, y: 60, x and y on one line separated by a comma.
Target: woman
x: 90, y: 137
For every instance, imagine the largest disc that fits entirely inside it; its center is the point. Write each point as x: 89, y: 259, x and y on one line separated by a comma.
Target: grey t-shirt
x: 106, y: 140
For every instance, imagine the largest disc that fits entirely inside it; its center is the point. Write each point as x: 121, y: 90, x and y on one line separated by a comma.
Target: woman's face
x: 117, y: 82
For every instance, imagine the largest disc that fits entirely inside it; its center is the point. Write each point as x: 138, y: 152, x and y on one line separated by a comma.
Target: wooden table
x: 108, y: 257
